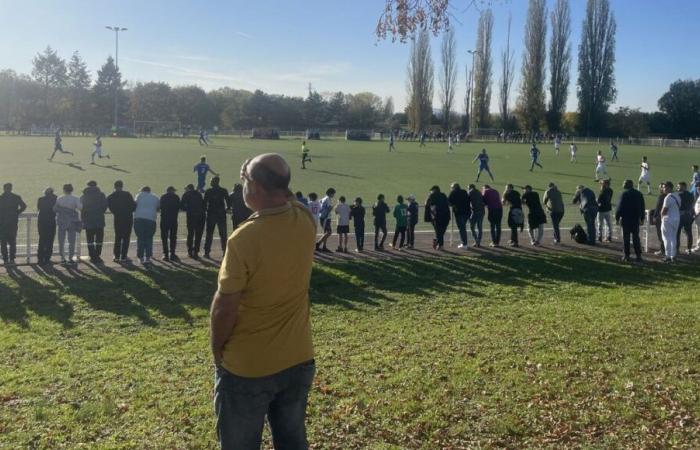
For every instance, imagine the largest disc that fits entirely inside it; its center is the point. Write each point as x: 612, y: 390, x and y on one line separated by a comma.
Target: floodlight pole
x: 116, y: 63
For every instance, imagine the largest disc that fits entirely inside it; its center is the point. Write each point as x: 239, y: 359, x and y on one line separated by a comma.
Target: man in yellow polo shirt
x: 260, y: 327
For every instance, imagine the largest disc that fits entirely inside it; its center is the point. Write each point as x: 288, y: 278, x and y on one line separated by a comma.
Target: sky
x: 282, y: 46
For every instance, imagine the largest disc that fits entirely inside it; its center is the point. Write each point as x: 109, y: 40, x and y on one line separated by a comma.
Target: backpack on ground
x: 578, y: 234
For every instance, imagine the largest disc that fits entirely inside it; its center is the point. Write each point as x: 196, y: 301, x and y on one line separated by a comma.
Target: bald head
x: 268, y: 170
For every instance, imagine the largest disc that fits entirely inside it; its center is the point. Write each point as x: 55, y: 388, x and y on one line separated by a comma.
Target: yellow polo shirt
x: 268, y: 259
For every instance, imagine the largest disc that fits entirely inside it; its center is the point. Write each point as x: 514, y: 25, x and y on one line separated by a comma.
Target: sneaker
x: 638, y: 260
x: 667, y: 260
x: 339, y: 249
x: 625, y: 259
x: 608, y: 239
x: 688, y: 252
x: 659, y: 252
x: 116, y: 259
x: 695, y: 249
x: 174, y: 257
x: 166, y: 258
x: 376, y: 247
x: 126, y: 260
x: 462, y: 247
x: 326, y: 250
x: 147, y: 260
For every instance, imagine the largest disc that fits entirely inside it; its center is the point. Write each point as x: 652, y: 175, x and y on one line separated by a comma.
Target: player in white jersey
x: 573, y: 149
x: 644, y: 176
x: 98, y: 150
x: 449, y: 144
x: 557, y: 145
x: 600, y: 172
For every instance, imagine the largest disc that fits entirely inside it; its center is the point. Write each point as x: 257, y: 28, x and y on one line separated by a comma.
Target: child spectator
x: 413, y: 212
x: 401, y: 216
x: 379, y: 211
x: 343, y: 212
x: 314, y: 206
x: 357, y: 213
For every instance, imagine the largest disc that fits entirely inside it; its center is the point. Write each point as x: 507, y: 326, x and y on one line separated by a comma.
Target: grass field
x: 541, y: 349
x: 353, y: 168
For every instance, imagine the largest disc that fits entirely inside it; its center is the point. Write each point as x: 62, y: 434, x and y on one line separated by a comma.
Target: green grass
x: 353, y: 168
x: 540, y: 350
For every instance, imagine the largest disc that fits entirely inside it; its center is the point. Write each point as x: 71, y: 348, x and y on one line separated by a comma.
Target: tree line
x: 64, y: 94
x: 534, y: 111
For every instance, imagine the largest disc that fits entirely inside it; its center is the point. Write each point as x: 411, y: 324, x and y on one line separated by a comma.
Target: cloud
x: 195, y: 75
x: 313, y: 72
x: 244, y: 35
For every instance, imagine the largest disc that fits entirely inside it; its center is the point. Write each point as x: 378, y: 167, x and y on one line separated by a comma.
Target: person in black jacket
x: 687, y: 212
x: 216, y: 203
x: 239, y: 211
x: 193, y: 205
x: 605, y: 210
x: 379, y: 211
x: 357, y: 214
x: 412, y: 221
x: 630, y: 213
x: 93, y: 216
x: 459, y: 201
x: 437, y: 212
x: 122, y: 205
x: 47, y: 226
x: 588, y: 205
x: 657, y: 219
x: 536, y: 218
x: 169, y: 210
x: 11, y: 206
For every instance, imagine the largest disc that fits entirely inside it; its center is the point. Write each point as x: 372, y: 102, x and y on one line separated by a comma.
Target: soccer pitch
x: 362, y: 169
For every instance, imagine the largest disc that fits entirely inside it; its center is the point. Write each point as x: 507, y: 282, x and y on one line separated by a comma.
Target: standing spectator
x: 516, y: 218
x: 437, y: 211
x: 687, y: 216
x: 357, y: 212
x: 121, y: 204
x: 413, y: 212
x: 216, y: 203
x: 169, y: 211
x: 193, y: 205
x: 93, y: 215
x: 67, y: 210
x: 536, y: 217
x: 697, y: 216
x: 401, y: 216
x: 343, y: 213
x: 554, y: 203
x: 657, y: 219
x: 324, y: 217
x: 495, y: 216
x: 47, y: 226
x: 476, y: 221
x: 695, y: 181
x: 670, y: 219
x: 11, y: 206
x: 630, y: 213
x: 588, y: 205
x: 459, y: 201
x: 605, y: 210
x: 300, y: 198
x: 260, y: 316
x: 239, y: 211
x: 314, y: 206
x: 147, y: 205
x: 379, y: 211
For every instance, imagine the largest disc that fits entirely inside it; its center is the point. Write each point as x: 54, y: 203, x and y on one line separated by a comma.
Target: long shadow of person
x: 42, y: 299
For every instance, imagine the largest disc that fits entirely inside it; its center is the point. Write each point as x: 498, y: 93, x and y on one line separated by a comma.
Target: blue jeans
x: 461, y: 220
x: 477, y: 220
x: 144, y: 229
x: 241, y: 405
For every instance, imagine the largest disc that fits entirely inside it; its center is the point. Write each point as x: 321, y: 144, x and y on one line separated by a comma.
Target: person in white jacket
x: 670, y: 220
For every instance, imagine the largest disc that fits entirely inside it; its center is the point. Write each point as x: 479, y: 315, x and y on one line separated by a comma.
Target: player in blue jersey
x: 202, y: 169
x: 483, y: 159
x: 203, y: 138
x: 534, y: 156
x: 58, y: 146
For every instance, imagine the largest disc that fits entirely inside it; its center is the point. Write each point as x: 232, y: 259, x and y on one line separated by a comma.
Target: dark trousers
x: 495, y: 217
x: 360, y: 236
x: 47, y: 234
x: 195, y: 229
x: 122, y: 237
x: 94, y: 237
x: 685, y: 225
x: 556, y: 220
x: 461, y: 220
x: 411, y: 234
x: 633, y: 230
x: 215, y: 221
x: 399, y: 231
x: 241, y: 405
x: 440, y: 229
x: 8, y: 241
x: 589, y: 217
x: 377, y: 228
x: 657, y: 224
x: 514, y: 235
x: 168, y: 236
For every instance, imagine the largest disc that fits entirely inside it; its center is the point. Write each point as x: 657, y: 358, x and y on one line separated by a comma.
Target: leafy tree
x: 682, y: 106
x: 192, y: 106
x: 483, y: 70
x: 596, y: 66
x: 420, y: 83
x: 49, y: 70
x: 313, y: 109
x: 531, y: 102
x: 336, y: 111
x: 559, y: 64
x: 152, y: 101
x: 448, y: 76
x: 109, y: 83
x: 79, y: 82
x: 364, y: 110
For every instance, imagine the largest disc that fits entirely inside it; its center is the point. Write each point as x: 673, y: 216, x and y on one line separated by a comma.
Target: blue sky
x: 282, y: 46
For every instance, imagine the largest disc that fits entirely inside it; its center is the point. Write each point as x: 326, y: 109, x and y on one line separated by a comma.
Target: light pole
x: 471, y: 88
x: 116, y: 63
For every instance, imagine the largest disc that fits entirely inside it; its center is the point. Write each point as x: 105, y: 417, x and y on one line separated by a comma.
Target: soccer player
x: 203, y: 138
x: 392, y: 147
x: 557, y: 144
x: 98, y: 150
x: 483, y: 159
x: 304, y: 154
x: 644, y: 176
x: 534, y: 156
x: 422, y: 139
x: 202, y: 169
x: 449, y: 143
x: 573, y: 149
x: 613, y: 150
x: 600, y: 171
x: 58, y: 146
